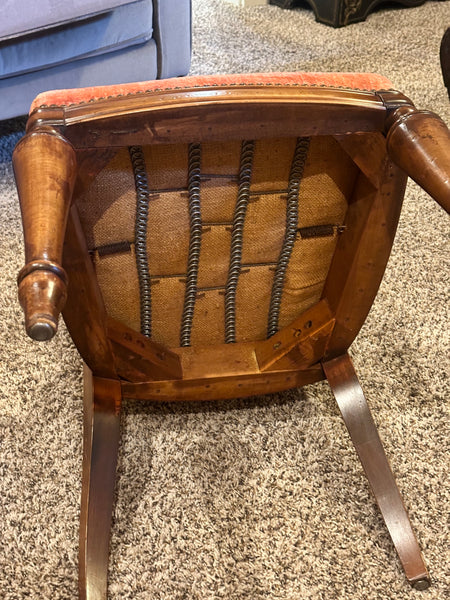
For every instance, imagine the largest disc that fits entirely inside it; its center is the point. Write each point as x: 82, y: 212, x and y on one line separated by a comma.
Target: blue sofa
x: 55, y: 45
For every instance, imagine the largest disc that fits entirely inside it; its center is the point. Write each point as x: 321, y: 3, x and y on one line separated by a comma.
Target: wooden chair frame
x: 63, y: 151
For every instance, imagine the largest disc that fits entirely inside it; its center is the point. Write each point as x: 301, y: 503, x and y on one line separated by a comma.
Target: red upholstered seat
x: 353, y: 81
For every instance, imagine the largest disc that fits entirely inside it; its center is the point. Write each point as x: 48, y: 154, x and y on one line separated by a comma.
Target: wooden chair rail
x: 228, y: 386
x: 214, y: 114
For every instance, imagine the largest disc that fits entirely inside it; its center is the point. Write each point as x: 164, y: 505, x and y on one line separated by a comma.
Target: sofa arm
x: 172, y: 33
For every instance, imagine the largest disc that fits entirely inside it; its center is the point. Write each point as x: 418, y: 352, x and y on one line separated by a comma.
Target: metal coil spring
x: 195, y: 240
x: 295, y: 177
x: 245, y: 173
x: 142, y: 202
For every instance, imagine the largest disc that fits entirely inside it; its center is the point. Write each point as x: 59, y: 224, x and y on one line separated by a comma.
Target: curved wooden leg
x: 363, y: 432
x: 102, y: 400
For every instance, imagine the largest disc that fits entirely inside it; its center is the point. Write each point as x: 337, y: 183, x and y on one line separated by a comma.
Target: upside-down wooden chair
x: 218, y: 237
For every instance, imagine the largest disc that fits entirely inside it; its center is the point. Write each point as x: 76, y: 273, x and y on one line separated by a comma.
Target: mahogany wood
x: 214, y: 114
x: 222, y: 387
x: 364, y: 435
x: 84, y: 312
x: 419, y: 142
x: 102, y: 402
x: 219, y: 372
x: 139, y: 359
x: 362, y: 253
x: 368, y: 152
x: 90, y: 162
x: 209, y: 123
x: 42, y: 295
x: 303, y: 333
x: 45, y: 169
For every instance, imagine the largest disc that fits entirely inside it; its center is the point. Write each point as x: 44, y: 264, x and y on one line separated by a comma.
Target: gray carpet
x: 262, y: 498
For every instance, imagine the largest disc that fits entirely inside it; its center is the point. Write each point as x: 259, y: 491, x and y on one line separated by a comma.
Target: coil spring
x: 142, y: 202
x: 295, y: 177
x: 245, y: 173
x: 195, y: 240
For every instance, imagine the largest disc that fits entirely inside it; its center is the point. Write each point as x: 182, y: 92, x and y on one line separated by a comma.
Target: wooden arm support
x: 418, y: 141
x: 45, y: 169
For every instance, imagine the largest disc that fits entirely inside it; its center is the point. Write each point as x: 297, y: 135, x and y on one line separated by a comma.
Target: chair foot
x: 421, y: 584
x: 363, y: 432
x: 102, y: 400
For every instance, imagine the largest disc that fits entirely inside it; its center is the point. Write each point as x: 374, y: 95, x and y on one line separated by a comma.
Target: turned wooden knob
x: 42, y: 295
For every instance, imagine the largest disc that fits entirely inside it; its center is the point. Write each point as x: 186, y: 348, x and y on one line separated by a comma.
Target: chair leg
x: 363, y: 432
x: 102, y: 400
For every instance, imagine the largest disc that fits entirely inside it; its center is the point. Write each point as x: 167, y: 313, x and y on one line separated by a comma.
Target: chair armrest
x: 45, y: 168
x: 418, y: 141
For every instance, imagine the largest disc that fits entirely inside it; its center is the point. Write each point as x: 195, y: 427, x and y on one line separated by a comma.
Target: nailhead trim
x: 212, y: 85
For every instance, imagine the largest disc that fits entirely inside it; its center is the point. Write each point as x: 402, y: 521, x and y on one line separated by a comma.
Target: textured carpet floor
x: 262, y: 498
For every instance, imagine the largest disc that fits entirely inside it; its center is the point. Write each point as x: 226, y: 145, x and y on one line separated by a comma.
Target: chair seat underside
x: 220, y: 243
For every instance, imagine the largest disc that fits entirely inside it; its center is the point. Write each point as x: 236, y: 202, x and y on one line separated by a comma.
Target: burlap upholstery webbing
x: 108, y: 211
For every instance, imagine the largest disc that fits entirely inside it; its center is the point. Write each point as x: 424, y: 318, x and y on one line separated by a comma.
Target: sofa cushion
x: 26, y: 16
x: 116, y: 29
x: 128, y: 64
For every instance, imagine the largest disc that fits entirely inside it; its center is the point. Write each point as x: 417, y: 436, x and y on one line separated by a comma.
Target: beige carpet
x: 263, y: 498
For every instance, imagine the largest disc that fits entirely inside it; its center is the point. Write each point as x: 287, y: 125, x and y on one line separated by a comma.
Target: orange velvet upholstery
x: 354, y: 81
